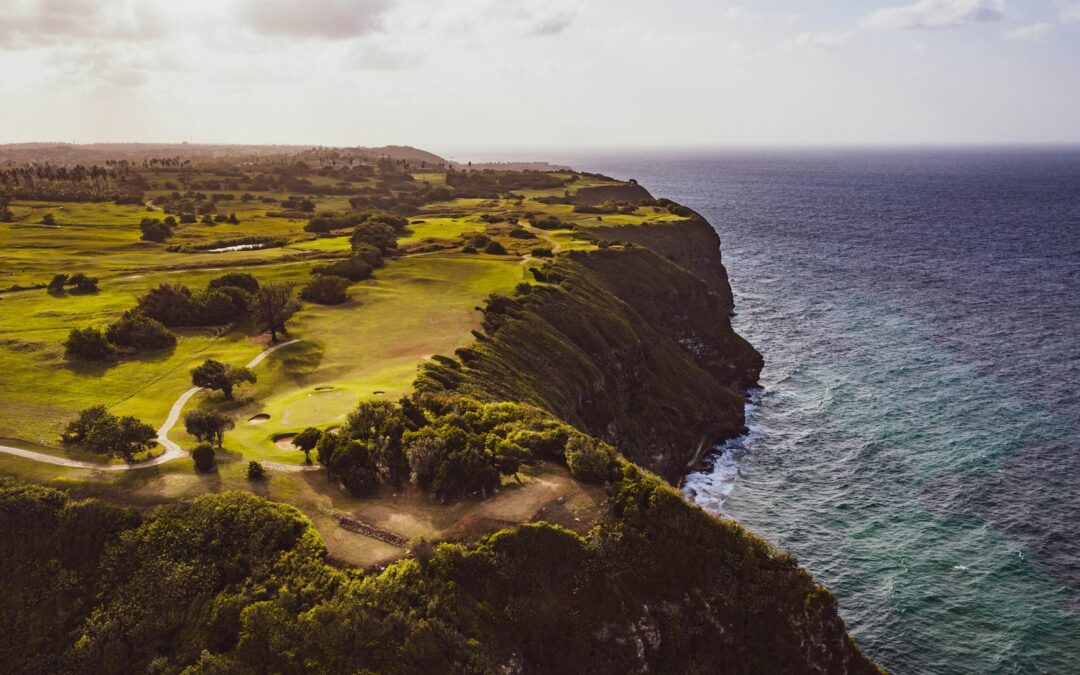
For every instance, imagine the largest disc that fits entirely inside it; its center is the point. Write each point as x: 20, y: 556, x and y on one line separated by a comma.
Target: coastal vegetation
x: 427, y: 401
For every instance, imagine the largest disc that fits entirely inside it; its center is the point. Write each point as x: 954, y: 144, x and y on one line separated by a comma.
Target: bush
x: 379, y: 235
x: 589, y: 460
x: 82, y: 283
x: 494, y: 248
x: 353, y: 269
x: 255, y: 471
x: 203, y: 456
x: 241, y: 280
x: 48, y: 219
x: 57, y: 283
x: 154, y: 230
x: 541, y: 252
x: 138, y: 332
x: 522, y: 234
x: 326, y: 290
x: 88, y: 344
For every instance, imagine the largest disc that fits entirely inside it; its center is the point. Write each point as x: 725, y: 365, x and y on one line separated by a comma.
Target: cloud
x: 333, y: 19
x: 819, y: 41
x: 1069, y: 11
x: 1035, y: 31
x: 377, y: 56
x: 935, y: 14
x: 554, y: 24
x: 26, y: 24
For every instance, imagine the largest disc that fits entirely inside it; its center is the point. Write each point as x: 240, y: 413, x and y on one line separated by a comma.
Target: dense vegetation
x: 233, y: 583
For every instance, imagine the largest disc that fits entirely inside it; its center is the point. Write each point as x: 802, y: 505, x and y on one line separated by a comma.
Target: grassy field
x: 416, y: 306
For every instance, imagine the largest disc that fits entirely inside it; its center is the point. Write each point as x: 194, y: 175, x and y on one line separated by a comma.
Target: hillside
x: 397, y: 481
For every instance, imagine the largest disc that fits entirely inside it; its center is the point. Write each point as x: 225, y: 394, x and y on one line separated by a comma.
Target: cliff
x: 622, y: 343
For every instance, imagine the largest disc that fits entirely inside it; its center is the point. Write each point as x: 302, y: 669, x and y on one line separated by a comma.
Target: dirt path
x: 172, y: 450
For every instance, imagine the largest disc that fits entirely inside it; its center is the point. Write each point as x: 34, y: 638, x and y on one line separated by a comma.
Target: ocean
x: 916, y: 442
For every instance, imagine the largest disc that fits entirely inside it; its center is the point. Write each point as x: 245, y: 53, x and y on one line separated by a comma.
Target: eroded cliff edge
x: 624, y: 343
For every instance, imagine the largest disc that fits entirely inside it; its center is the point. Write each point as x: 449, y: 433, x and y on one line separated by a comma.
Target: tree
x: 306, y: 440
x: 137, y: 331
x: 154, y: 230
x: 48, y: 219
x: 88, y: 344
x: 326, y: 290
x: 203, y: 456
x: 355, y: 268
x: 273, y: 306
x: 207, y: 425
x: 255, y: 471
x: 56, y: 285
x: 379, y: 235
x: 215, y: 375
x: 101, y: 432
x: 83, y: 283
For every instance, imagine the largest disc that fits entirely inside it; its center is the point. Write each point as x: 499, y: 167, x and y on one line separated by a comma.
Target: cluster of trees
x: 99, y: 431
x: 228, y: 298
x: 490, y: 183
x: 542, y: 222
x: 380, y: 231
x: 77, y: 282
x: 157, y: 230
x: 207, y: 426
x: 132, y: 333
x: 47, y: 182
x: 449, y: 446
x: 482, y: 243
x: 606, y: 207
x: 298, y: 203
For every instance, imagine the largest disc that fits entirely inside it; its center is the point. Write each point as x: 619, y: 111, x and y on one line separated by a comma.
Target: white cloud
x: 34, y: 23
x: 819, y: 41
x: 1035, y: 31
x: 1069, y: 11
x: 334, y: 19
x: 935, y: 14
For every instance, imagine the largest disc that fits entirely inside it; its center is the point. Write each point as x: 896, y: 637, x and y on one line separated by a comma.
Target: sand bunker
x: 285, y: 442
x: 258, y: 419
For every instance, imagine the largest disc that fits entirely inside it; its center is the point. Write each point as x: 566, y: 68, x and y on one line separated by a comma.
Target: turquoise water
x: 916, y: 442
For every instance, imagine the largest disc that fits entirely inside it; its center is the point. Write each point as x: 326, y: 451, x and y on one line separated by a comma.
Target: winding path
x: 172, y: 450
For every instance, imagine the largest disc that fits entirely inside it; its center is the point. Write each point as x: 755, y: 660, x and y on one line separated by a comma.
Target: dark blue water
x: 917, y: 442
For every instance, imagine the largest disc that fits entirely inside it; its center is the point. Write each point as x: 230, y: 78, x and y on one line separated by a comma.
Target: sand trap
x: 378, y: 393
x: 258, y: 419
x: 324, y: 388
x: 285, y: 442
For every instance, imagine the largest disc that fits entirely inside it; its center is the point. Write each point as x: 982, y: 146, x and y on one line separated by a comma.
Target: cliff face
x: 691, y: 244
x: 626, y: 345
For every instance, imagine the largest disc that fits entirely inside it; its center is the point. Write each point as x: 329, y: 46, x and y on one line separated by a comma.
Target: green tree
x: 88, y: 344
x: 273, y: 306
x: 306, y: 440
x: 207, y: 425
x: 215, y: 375
x: 137, y: 331
x: 101, y: 432
x: 326, y: 290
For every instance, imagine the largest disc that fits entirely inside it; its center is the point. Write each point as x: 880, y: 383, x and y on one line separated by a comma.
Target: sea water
x: 917, y: 440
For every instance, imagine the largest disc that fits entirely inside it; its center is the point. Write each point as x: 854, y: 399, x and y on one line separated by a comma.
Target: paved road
x: 172, y: 450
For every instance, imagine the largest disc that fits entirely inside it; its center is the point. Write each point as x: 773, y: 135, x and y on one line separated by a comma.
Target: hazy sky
x: 451, y: 75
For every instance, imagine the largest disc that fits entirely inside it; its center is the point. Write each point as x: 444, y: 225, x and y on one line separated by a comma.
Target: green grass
x: 440, y: 228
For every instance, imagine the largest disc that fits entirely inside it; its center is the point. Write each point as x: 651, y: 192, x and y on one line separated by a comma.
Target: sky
x: 484, y: 75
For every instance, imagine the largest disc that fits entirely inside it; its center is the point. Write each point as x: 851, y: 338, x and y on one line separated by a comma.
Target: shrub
x: 154, y: 230
x: 589, y: 460
x: 542, y: 252
x: 255, y: 471
x: 57, y: 283
x: 241, y: 280
x: 548, y: 223
x: 88, y: 344
x: 522, y: 234
x: 82, y: 283
x: 48, y: 219
x: 353, y: 269
x: 203, y: 456
x: 494, y: 248
x: 380, y: 235
x: 139, y: 332
x: 326, y: 290
x: 368, y: 254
